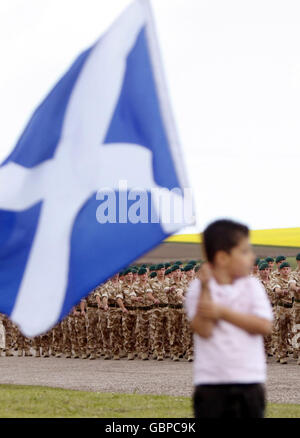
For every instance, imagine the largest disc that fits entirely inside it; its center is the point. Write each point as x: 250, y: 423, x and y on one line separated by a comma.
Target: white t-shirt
x: 230, y: 355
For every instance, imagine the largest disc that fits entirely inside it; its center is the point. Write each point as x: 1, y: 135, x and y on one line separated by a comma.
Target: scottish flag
x: 106, y: 121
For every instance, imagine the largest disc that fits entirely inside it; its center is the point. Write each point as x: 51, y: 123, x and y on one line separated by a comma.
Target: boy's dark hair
x: 222, y: 235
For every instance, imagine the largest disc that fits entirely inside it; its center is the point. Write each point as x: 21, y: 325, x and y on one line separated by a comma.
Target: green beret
x: 167, y: 265
x: 298, y: 256
x: 257, y: 260
x: 152, y: 268
x: 153, y: 274
x: 160, y: 266
x: 182, y: 269
x: 269, y: 259
x: 168, y: 271
x: 263, y: 266
x: 284, y: 265
x: 121, y: 273
x: 188, y: 268
x: 192, y: 262
x: 142, y: 271
x: 127, y: 271
x: 178, y: 262
x: 280, y: 258
x: 175, y: 267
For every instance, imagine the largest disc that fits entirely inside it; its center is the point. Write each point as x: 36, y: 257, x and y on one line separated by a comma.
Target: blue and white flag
x: 106, y: 127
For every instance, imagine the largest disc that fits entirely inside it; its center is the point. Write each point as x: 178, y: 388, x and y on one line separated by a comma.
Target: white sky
x: 233, y: 71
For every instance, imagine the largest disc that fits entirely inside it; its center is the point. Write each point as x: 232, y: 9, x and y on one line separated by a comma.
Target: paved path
x: 143, y: 377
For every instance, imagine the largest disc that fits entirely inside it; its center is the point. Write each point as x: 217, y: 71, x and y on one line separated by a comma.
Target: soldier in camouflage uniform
x: 9, y: 336
x: 174, y: 292
x: 284, y: 310
x: 24, y: 344
x: 116, y: 310
x: 142, y: 289
x: 129, y: 317
x: 267, y: 284
x: 159, y: 315
x: 102, y: 293
x: 92, y: 317
x: 296, y: 309
x: 57, y: 336
x: 187, y: 331
x: 276, y: 274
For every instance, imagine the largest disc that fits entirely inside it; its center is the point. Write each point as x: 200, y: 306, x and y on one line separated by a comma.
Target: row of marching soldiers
x: 283, y: 288
x: 137, y: 313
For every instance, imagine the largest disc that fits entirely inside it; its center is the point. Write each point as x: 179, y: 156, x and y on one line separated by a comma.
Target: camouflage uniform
x: 46, y: 342
x: 284, y: 316
x: 24, y: 344
x: 10, y: 333
x: 92, y: 317
x: 270, y: 340
x: 114, y: 290
x: 159, y: 317
x: 142, y: 321
x: 187, y: 341
x: 78, y: 327
x: 296, y: 309
x: 57, y: 340
x: 102, y: 292
x: 129, y: 319
x: 176, y: 316
x: 67, y: 334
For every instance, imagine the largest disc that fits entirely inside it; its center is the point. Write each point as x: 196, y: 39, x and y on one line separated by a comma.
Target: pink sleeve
x: 192, y: 297
x: 260, y: 303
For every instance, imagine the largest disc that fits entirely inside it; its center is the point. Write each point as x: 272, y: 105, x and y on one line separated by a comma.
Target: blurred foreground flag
x: 81, y: 193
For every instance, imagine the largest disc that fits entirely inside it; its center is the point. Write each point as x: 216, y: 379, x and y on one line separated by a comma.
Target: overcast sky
x: 233, y: 72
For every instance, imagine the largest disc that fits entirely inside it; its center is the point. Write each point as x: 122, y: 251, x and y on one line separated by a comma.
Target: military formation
x: 283, y: 288
x: 138, y: 313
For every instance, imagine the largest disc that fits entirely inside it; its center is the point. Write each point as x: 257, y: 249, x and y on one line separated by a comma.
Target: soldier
x: 284, y: 310
x: 296, y: 287
x: 69, y: 334
x: 276, y: 274
x: 129, y: 318
x: 142, y: 289
x: 270, y: 262
x: 24, y: 344
x: 79, y: 330
x: 254, y: 272
x: 174, y: 292
x: 159, y: 315
x: 115, y: 308
x: 57, y: 340
x: 187, y: 331
x: 91, y: 305
x: 101, y: 294
x: 267, y: 284
x: 9, y: 336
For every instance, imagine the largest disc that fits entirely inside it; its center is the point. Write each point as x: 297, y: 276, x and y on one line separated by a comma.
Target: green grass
x: 43, y: 402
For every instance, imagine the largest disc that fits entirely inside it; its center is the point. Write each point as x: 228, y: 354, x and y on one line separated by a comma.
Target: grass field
x: 43, y: 402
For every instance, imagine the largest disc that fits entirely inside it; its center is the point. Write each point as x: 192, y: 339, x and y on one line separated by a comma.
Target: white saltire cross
x: 79, y: 168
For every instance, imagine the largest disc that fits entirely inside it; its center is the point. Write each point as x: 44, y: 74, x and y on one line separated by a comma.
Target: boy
x: 230, y: 313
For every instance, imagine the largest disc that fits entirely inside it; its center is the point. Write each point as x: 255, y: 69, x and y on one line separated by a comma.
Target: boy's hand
x: 205, y: 274
x: 210, y: 310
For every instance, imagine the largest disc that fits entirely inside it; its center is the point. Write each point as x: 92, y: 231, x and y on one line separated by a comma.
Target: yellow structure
x: 275, y: 237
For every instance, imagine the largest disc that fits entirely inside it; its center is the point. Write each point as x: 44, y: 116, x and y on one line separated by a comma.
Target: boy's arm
x: 250, y: 323
x: 201, y: 324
